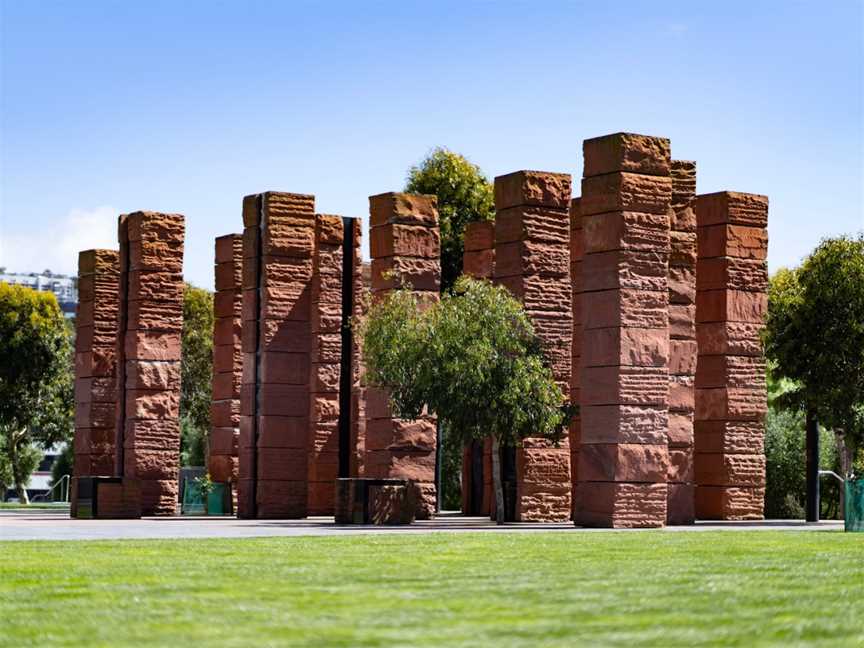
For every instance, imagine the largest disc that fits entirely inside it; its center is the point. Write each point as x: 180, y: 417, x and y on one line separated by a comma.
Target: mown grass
x: 519, y: 589
x: 14, y: 506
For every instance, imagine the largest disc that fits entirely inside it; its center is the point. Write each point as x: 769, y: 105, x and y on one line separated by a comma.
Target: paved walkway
x: 56, y: 525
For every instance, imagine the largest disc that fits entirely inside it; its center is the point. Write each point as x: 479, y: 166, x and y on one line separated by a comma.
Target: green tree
x: 464, y: 195
x: 196, y: 373
x: 473, y: 359
x: 36, y: 381
x: 815, y: 336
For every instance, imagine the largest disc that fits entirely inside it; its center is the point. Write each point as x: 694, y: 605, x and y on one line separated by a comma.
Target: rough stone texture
x: 625, y: 309
x: 579, y: 346
x: 222, y: 457
x: 278, y: 250
x: 328, y: 334
x: 324, y: 379
x: 523, y: 188
x: 478, y: 261
x: 730, y: 389
x: 362, y: 292
x: 532, y: 260
x: 621, y: 504
x: 95, y: 364
x: 404, y: 234
x: 148, y: 352
x: 682, y: 343
x: 628, y: 152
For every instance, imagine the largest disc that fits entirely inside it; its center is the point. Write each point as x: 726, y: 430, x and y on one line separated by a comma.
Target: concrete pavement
x: 56, y: 525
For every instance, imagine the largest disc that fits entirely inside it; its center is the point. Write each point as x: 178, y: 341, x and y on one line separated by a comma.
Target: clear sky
x: 109, y: 107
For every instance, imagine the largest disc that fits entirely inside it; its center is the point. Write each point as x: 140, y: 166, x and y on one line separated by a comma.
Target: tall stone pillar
x: 406, y: 247
x: 362, y: 292
x: 334, y: 380
x: 148, y: 358
x: 222, y: 458
x: 682, y: 343
x: 731, y: 302
x: 478, y: 261
x: 575, y: 432
x: 623, y: 458
x: 278, y: 245
x: 95, y: 364
x: 324, y: 381
x: 532, y: 260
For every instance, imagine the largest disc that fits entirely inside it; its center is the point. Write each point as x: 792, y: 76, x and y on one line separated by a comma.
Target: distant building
x: 39, y: 484
x: 64, y: 287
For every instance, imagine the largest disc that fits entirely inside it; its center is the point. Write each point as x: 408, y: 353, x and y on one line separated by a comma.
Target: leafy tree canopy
x: 36, y: 378
x: 473, y: 358
x: 464, y: 195
x: 196, y: 369
x: 815, y: 334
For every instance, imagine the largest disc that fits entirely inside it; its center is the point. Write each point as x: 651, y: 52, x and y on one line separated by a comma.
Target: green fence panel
x: 216, y: 499
x: 193, y: 502
x: 854, y: 504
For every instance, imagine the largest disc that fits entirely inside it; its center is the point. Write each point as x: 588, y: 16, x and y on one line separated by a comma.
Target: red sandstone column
x: 575, y: 435
x: 324, y: 380
x: 682, y: 343
x: 731, y: 302
x: 406, y: 248
x: 478, y: 261
x: 626, y: 194
x: 95, y: 363
x: 151, y: 307
x: 336, y: 285
x: 532, y: 260
x: 222, y: 461
x: 278, y: 244
x: 362, y: 290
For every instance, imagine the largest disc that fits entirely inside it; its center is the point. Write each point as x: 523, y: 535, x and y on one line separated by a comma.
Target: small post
x: 812, y: 477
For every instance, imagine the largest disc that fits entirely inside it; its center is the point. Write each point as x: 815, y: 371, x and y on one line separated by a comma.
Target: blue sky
x: 108, y: 107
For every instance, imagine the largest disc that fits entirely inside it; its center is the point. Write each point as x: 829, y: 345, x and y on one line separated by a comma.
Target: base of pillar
x: 112, y: 498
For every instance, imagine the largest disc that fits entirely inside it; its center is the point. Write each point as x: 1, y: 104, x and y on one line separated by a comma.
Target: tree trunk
x: 844, y: 454
x: 20, y: 480
x: 22, y: 494
x: 496, y: 481
x: 845, y: 467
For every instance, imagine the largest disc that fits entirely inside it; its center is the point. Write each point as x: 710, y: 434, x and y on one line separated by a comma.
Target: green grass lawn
x: 514, y: 589
x: 14, y: 506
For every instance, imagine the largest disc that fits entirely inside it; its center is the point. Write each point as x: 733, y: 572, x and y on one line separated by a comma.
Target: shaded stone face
x: 478, y: 261
x: 278, y: 252
x: 222, y: 457
x: 405, y: 248
x: 624, y: 381
x: 682, y: 342
x: 151, y: 319
x: 532, y: 260
x: 730, y: 389
x: 95, y: 381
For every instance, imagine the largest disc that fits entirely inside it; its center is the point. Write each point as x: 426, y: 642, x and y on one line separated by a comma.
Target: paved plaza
x: 47, y: 524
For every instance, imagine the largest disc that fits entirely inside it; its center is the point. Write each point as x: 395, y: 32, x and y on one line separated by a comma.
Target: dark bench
x: 375, y: 501
x: 105, y: 497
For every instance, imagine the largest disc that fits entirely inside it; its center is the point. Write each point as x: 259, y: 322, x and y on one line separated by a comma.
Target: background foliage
x: 196, y: 374
x: 464, y: 195
x: 36, y: 380
x: 814, y: 335
x: 472, y: 358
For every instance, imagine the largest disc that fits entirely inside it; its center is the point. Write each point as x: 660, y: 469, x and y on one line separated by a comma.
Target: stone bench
x: 112, y: 498
x: 375, y: 501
